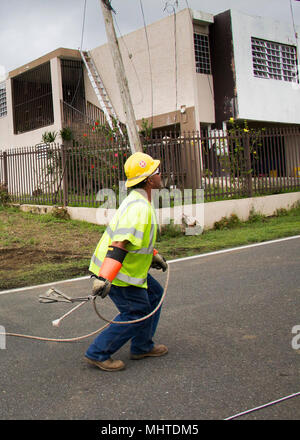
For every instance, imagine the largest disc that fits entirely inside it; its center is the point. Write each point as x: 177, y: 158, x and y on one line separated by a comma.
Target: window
x: 3, y: 102
x: 73, y: 84
x: 202, y: 56
x: 32, y: 99
x: 274, y: 60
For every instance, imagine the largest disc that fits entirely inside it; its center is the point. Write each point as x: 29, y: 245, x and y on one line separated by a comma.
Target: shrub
x: 169, y: 231
x: 66, y: 134
x: 255, y: 217
x: 49, y: 137
x: 60, y: 212
x: 281, y: 212
x: 4, y: 196
x: 228, y: 223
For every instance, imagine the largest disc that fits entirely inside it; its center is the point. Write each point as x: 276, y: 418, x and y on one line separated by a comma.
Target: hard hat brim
x: 136, y: 180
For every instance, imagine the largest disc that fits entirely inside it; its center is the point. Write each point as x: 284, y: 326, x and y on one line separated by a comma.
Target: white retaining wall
x: 206, y: 213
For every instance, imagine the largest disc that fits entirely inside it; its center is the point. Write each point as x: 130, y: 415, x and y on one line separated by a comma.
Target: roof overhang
x: 58, y: 53
x: 200, y: 17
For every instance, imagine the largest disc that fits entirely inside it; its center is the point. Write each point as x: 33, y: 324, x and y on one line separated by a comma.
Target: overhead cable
x: 149, y: 57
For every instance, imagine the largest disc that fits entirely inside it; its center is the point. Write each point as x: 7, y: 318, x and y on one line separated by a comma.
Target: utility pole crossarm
x: 134, y: 138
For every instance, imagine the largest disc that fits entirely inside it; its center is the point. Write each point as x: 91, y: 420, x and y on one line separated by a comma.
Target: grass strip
x: 37, y: 249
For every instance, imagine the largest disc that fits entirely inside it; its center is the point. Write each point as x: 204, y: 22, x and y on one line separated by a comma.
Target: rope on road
x: 79, y: 338
x: 262, y: 406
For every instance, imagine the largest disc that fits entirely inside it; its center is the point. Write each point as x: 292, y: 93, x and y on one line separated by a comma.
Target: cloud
x: 31, y: 28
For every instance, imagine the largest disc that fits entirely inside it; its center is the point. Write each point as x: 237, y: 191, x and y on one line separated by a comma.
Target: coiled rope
x: 93, y: 298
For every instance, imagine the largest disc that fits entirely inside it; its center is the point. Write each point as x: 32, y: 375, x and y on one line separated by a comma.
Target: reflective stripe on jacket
x: 135, y: 221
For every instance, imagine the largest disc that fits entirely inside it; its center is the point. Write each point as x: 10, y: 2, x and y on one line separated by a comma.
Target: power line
x: 296, y: 40
x: 207, y: 75
x: 149, y: 58
x: 131, y: 59
x: 172, y: 6
x: 81, y: 43
x: 293, y: 21
x: 83, y: 23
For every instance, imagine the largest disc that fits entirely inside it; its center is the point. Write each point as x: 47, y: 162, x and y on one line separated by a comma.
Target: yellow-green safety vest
x: 135, y: 221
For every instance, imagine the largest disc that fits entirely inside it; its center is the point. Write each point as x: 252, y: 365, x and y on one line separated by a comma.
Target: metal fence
x: 240, y: 163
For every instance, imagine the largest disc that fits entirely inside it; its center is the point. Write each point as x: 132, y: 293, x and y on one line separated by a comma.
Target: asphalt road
x: 227, y: 321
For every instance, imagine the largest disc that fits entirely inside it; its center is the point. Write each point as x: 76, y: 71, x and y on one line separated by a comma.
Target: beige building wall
x: 172, y: 75
x: 6, y: 121
x: 4, y: 137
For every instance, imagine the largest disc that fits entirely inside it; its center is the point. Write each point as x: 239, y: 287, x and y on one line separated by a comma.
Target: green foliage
x: 281, y: 212
x: 228, y: 223
x: 146, y: 129
x: 49, y: 137
x: 60, y: 212
x: 4, y: 196
x: 256, y: 217
x: 170, y: 231
x: 104, y: 130
x: 242, y: 152
x: 66, y: 134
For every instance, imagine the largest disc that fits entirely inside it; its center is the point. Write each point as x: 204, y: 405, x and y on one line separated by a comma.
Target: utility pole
x: 134, y: 138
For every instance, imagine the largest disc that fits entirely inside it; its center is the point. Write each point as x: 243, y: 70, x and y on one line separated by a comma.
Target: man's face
x: 156, y: 180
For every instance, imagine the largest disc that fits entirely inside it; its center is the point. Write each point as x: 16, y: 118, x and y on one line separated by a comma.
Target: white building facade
x: 256, y: 71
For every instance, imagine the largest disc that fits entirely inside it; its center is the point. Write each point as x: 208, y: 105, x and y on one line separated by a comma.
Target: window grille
x: 3, y: 102
x: 32, y: 99
x: 274, y: 60
x: 73, y: 83
x: 202, y: 55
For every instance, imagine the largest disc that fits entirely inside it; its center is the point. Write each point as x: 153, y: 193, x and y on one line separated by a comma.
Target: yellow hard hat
x: 138, y: 167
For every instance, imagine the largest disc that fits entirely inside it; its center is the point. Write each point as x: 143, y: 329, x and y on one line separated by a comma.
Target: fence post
x: 64, y: 163
x: 5, y: 173
x: 248, y: 171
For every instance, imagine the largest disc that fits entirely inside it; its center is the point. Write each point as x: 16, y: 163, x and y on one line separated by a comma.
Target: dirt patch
x: 26, y: 256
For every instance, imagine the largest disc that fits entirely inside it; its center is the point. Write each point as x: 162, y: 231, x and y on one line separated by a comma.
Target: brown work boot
x: 157, y: 350
x: 108, y: 365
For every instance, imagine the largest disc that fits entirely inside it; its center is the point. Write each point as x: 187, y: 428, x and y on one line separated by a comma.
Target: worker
x: 120, y: 266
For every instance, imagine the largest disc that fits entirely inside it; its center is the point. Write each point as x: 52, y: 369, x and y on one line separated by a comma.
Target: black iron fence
x: 240, y: 163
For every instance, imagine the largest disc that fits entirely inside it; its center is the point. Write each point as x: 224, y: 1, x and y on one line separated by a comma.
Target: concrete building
x: 204, y: 70
x: 255, y: 69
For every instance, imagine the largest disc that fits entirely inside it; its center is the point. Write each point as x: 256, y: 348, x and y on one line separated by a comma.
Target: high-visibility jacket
x: 135, y: 221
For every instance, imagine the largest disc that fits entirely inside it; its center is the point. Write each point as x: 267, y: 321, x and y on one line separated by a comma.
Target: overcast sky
x: 32, y: 28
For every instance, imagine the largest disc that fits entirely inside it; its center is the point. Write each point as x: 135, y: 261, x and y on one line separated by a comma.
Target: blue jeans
x: 132, y: 303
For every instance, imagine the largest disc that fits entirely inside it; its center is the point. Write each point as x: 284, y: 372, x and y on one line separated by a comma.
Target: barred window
x: 202, y: 55
x: 3, y: 102
x: 274, y: 60
x: 32, y: 99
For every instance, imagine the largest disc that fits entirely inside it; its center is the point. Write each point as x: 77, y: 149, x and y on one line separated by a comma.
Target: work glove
x: 101, y: 286
x: 159, y: 262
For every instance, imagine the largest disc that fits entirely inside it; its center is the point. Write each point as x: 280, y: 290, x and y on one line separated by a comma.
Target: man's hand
x: 101, y: 287
x: 159, y: 262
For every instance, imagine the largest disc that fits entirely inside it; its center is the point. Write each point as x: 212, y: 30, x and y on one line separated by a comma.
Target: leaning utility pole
x: 134, y: 138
